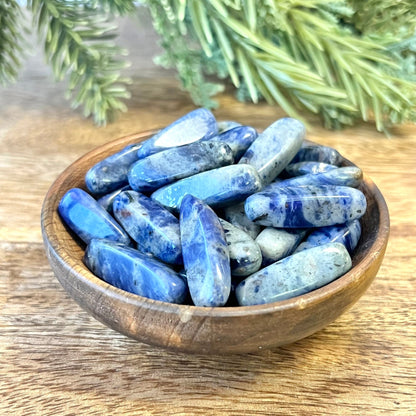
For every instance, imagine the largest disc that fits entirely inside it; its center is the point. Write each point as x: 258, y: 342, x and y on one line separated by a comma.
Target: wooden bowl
x: 199, y: 329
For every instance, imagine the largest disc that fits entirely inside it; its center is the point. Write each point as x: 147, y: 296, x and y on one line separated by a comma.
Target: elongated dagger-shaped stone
x: 216, y: 187
x: 245, y: 254
x: 306, y: 206
x: 274, y: 148
x: 170, y: 165
x: 154, y: 228
x: 205, y: 253
x: 88, y: 219
x: 135, y: 272
x: 196, y: 125
x: 110, y: 173
x: 295, y: 275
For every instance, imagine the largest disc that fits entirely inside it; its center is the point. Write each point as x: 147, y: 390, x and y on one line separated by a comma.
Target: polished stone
x: 276, y: 243
x: 318, y: 153
x: 205, y: 253
x: 88, y: 219
x: 216, y: 187
x: 154, y: 228
x: 346, y: 176
x: 110, y: 173
x: 347, y: 234
x: 134, y: 272
x: 107, y: 200
x: 303, y: 168
x: 306, y: 206
x: 227, y: 125
x: 236, y: 215
x: 238, y: 138
x: 295, y: 275
x: 245, y: 254
x: 170, y: 165
x: 275, y: 148
x: 196, y: 125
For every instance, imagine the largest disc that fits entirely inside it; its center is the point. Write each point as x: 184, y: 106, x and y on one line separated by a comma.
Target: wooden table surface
x: 55, y: 359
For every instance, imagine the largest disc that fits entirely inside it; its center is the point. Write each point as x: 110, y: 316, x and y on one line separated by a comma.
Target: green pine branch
x: 79, y: 46
x: 10, y: 40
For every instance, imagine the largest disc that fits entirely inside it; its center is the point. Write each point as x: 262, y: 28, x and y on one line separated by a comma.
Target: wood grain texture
x: 55, y: 359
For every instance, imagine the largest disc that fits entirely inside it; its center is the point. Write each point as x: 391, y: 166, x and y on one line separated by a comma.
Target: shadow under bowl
x: 205, y: 330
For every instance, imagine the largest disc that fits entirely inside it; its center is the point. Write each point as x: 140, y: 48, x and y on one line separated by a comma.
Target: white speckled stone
x: 236, y: 215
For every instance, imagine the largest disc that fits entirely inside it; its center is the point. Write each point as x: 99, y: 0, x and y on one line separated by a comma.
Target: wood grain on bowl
x: 198, y: 329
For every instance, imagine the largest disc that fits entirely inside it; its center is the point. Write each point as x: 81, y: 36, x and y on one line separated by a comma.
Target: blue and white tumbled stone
x: 347, y: 234
x: 346, y: 176
x: 304, y: 168
x: 273, y: 149
x: 170, y: 165
x: 227, y: 125
x: 154, y: 228
x: 134, y: 272
x: 245, y: 254
x: 306, y: 206
x: 110, y: 173
x: 276, y: 243
x: 196, y: 125
x: 238, y: 138
x: 318, y: 153
x: 236, y: 215
x: 216, y: 187
x: 107, y: 200
x: 88, y: 219
x: 205, y: 253
x: 295, y: 275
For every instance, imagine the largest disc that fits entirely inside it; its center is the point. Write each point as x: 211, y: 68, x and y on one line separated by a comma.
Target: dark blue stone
x: 88, y: 219
x: 170, y: 165
x: 347, y: 234
x: 306, y: 206
x: 107, y: 200
x: 216, y: 187
x: 295, y: 275
x: 196, y: 125
x: 155, y: 229
x: 238, y: 138
x: 111, y: 173
x: 205, y: 253
x: 303, y: 168
x: 318, y: 153
x: 134, y: 272
x: 274, y: 148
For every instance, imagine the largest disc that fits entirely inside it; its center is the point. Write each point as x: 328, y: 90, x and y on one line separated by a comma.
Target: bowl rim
x: 299, y: 302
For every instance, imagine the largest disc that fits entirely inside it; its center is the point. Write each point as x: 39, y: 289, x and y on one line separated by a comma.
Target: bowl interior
x: 199, y: 329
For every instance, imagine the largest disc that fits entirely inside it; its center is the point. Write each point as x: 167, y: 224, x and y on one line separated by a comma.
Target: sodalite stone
x: 238, y: 138
x: 170, y: 165
x: 276, y: 244
x: 295, y: 275
x: 196, y: 125
x: 205, y: 253
x: 111, y: 173
x: 318, y: 153
x: 227, y: 125
x: 88, y: 219
x: 216, y: 187
x: 155, y: 229
x: 106, y: 201
x: 306, y: 206
x: 135, y: 272
x: 245, y: 254
x: 236, y: 215
x: 347, y: 234
x: 347, y: 176
x: 274, y: 148
x: 303, y: 168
